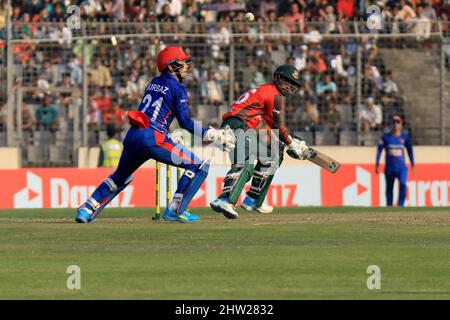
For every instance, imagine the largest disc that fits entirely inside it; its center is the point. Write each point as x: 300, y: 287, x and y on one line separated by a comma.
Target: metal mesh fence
x: 354, y: 79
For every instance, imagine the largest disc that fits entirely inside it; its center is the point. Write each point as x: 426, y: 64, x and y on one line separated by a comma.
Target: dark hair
x: 110, y: 131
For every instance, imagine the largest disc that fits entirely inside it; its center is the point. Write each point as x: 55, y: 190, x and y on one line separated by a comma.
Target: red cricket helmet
x: 169, y: 55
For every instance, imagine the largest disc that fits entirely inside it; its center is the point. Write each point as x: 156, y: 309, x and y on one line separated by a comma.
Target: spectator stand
x: 47, y: 145
x: 343, y: 63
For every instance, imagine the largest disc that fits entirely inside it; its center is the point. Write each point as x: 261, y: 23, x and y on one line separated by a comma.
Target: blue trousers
x: 396, y: 173
x: 141, y: 145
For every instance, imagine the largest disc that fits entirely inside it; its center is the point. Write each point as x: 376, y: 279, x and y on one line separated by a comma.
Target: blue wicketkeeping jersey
x: 164, y: 99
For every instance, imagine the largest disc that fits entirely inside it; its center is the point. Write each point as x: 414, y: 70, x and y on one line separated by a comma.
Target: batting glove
x: 297, y: 149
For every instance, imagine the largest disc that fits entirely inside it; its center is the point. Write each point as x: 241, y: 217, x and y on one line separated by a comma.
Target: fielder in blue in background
x: 165, y: 98
x: 394, y: 143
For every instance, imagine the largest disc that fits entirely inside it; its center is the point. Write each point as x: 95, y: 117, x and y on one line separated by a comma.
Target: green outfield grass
x: 307, y: 253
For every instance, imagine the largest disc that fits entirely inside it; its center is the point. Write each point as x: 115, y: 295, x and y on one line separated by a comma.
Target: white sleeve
x: 339, y: 66
x: 394, y: 87
x: 379, y: 116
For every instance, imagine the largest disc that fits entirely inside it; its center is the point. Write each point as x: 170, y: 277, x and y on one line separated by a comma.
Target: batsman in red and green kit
x: 258, y: 153
x: 165, y: 98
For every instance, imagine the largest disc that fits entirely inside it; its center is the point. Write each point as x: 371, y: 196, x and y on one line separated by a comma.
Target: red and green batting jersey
x: 264, y: 103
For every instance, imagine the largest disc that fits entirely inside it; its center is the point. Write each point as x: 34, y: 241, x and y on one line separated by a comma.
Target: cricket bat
x: 320, y: 159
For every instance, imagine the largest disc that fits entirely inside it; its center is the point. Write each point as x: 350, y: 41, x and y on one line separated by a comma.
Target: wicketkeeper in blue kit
x: 395, y: 142
x: 148, y: 138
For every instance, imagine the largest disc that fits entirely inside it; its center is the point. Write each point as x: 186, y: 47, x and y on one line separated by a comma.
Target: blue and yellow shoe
x: 192, y: 217
x: 83, y: 215
x: 186, y: 217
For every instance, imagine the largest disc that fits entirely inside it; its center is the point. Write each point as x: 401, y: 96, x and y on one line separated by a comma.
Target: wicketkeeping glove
x: 176, y: 136
x: 222, y: 138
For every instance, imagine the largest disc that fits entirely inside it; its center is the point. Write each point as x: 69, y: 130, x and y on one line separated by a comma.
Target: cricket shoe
x: 249, y: 204
x: 83, y: 215
x: 223, y: 206
x: 186, y: 217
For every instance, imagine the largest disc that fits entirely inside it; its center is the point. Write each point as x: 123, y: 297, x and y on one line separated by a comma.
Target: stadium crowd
x: 119, y: 70
x: 204, y: 10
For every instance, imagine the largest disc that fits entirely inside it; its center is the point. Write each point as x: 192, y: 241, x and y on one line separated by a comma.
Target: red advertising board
x: 359, y: 185
x: 68, y: 188
x: 353, y: 184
